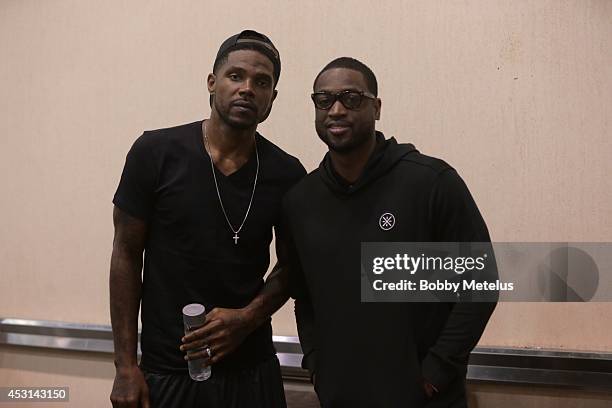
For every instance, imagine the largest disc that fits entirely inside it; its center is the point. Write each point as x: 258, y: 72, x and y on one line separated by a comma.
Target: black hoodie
x: 377, y: 354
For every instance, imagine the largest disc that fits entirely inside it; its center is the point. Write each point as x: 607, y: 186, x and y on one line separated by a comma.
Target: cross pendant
x: 236, y: 238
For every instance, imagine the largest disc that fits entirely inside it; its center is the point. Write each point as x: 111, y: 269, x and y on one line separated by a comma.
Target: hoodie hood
x: 385, y: 156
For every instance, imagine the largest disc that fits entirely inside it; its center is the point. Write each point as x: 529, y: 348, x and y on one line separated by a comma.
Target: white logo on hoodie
x: 386, y: 221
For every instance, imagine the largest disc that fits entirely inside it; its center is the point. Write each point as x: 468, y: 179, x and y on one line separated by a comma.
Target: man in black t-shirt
x: 200, y: 200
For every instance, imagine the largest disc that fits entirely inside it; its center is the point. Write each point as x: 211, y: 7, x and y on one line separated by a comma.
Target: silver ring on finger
x: 209, y: 352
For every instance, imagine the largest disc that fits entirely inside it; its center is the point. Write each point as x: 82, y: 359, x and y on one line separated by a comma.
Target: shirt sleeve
x: 456, y: 218
x: 136, y: 191
x: 298, y: 290
x: 454, y: 213
x: 297, y: 172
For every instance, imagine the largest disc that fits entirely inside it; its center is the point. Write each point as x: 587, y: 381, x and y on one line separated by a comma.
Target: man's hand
x: 226, y: 329
x: 130, y: 389
x: 429, y: 388
x: 223, y: 332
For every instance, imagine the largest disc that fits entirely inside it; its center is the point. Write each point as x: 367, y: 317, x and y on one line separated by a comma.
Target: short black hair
x: 356, y: 65
x: 248, y: 46
x: 249, y: 40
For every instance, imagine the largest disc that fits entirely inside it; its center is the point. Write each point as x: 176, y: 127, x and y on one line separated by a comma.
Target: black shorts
x: 255, y: 387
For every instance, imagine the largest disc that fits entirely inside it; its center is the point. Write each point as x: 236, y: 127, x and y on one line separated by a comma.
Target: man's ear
x: 274, y: 94
x: 377, y: 107
x: 211, y: 83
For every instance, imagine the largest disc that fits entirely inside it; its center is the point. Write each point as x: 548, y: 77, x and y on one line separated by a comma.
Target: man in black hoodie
x: 376, y: 354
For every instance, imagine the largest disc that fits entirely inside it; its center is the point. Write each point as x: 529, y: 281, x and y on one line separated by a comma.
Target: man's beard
x: 357, y: 141
x: 232, y: 123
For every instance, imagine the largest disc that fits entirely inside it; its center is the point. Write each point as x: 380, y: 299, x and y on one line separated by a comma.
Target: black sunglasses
x: 350, y: 99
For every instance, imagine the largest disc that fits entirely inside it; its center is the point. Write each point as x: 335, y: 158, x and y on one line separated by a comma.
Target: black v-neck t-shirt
x: 190, y: 254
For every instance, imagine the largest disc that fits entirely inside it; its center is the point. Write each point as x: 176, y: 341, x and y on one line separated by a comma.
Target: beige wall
x: 89, y: 377
x: 517, y: 95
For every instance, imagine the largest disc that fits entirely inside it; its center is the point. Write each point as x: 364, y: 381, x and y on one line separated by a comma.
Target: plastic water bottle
x: 194, y: 316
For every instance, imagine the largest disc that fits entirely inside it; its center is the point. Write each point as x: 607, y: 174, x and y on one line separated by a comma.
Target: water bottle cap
x: 194, y: 315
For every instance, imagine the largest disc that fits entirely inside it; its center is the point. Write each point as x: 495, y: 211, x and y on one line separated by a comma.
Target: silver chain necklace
x: 212, y: 167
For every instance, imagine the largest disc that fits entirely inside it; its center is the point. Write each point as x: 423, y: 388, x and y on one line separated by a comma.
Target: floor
x: 300, y: 395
